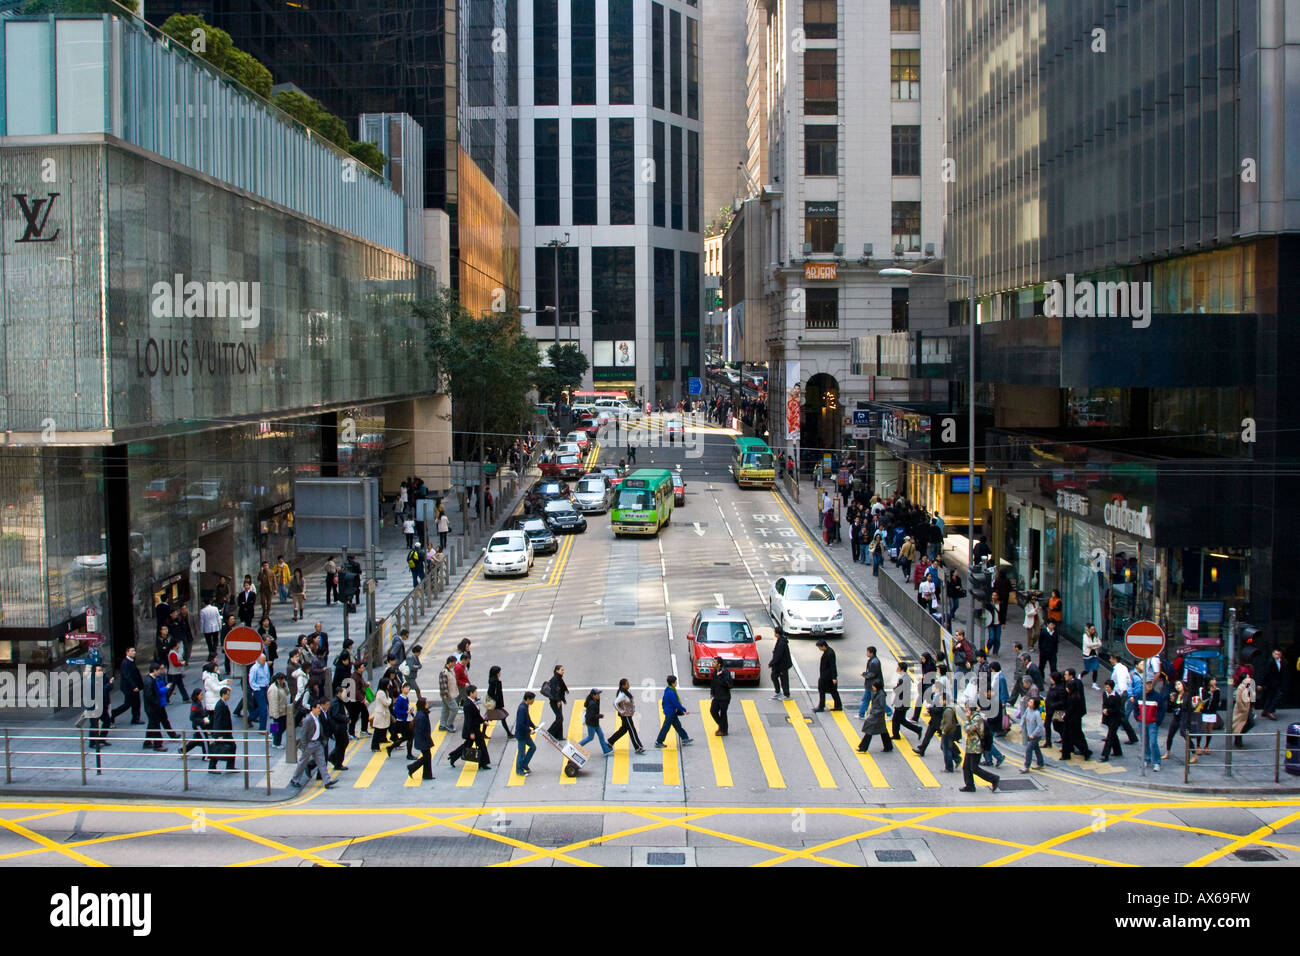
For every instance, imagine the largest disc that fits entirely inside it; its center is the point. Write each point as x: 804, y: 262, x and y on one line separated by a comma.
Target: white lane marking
x: 802, y: 680
x: 673, y: 657
x: 728, y: 527
x: 549, y: 621
x: 668, y: 619
x: 660, y: 541
x: 698, y: 530
x: 665, y: 584
x: 532, y: 678
x: 504, y: 604
x: 717, y: 597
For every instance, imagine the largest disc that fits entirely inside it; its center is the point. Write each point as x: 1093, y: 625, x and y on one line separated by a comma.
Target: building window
x: 584, y: 172
x: 823, y: 309
x: 905, y: 15
x: 675, y: 62
x: 906, y: 229
x: 821, y: 226
x: 678, y: 183
x: 820, y: 83
x: 907, y: 150
x: 512, y: 58
x: 692, y: 68
x: 512, y: 162
x: 660, y: 176
x: 657, y: 55
x: 692, y: 181
x: 546, y: 52
x: 545, y: 263
x: 620, y: 52
x: 819, y: 19
x: 613, y: 290
x: 900, y: 309
x: 546, y: 171
x: 665, y: 279
x: 821, y: 150
x: 583, y: 50
x: 904, y: 74
x: 622, y: 172
x: 690, y: 296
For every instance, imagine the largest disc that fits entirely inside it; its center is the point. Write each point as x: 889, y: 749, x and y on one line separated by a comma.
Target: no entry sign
x: 1144, y: 639
x: 243, y: 645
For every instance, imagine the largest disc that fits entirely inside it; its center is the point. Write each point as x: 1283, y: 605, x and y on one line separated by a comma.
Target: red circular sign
x: 243, y: 645
x: 1144, y: 639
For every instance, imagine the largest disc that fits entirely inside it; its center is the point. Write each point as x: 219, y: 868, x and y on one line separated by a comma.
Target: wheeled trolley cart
x: 575, y: 756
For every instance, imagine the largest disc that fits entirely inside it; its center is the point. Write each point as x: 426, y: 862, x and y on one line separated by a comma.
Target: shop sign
x: 891, y: 430
x: 1118, y: 515
x: 1072, y: 501
x: 819, y: 270
x: 170, y: 581
x: 1193, y: 617
x: 276, y: 511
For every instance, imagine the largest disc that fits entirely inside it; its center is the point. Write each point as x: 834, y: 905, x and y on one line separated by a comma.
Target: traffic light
x: 981, y: 586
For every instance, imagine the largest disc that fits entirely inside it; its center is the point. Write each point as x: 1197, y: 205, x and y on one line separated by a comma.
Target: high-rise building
x: 1124, y: 198
x: 610, y: 209
x: 845, y: 136
x: 722, y: 103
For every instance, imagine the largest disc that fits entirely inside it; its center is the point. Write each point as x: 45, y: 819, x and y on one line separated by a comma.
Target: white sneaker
x: 1095, y: 687
x: 776, y: 697
x: 1156, y: 768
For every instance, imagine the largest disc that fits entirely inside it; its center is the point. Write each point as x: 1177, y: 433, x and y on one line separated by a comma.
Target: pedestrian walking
x: 1211, y: 704
x: 422, y: 741
x: 154, y: 695
x: 336, y: 726
x: 972, y: 727
x: 246, y: 602
x: 381, y: 717
x: 282, y: 575
x: 780, y: 665
x: 496, y: 700
x: 994, y: 702
x: 720, y: 697
x: 448, y: 695
x: 1274, y: 682
x: 673, y: 713
x: 210, y: 625
x: 277, y: 709
x: 408, y: 529
x: 949, y: 733
x: 939, y: 696
x: 524, y: 728
x: 870, y: 675
x: 400, y: 731
x: 1031, y: 731
x: 1112, y: 715
x: 591, y: 718
x: 331, y: 581
x: 221, y: 745
x: 1150, y: 712
x: 1243, y: 717
x: 556, y: 692
x: 297, y: 592
x: 827, y: 679
x: 130, y: 683
x: 415, y: 561
x: 312, y: 758
x: 625, y: 707
x: 1123, y: 679
x: 265, y: 587
x: 903, y: 700
x: 1179, y: 708
x: 1032, y: 622
x: 199, y: 723
x: 1091, y: 653
x: 444, y: 528
x: 1048, y: 645
x: 471, y: 732
x: 875, y: 720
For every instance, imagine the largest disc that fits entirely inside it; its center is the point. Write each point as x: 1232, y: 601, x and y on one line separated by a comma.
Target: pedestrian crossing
x: 771, y: 745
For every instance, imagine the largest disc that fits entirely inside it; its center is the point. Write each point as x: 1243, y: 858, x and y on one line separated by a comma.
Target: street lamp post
x: 970, y: 420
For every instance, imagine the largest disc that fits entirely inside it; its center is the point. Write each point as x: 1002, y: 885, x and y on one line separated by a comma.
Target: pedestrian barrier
x: 78, y: 751
x: 903, y: 602
x: 1245, y: 758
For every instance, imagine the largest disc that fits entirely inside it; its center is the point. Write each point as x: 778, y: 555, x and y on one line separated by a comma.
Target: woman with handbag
x: 1211, y: 704
x: 381, y: 718
x: 1243, y: 704
x: 625, y: 707
x: 1179, y: 709
x: 1054, y: 705
x: 496, y: 701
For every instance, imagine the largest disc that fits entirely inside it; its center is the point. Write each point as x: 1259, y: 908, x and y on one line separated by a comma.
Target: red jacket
x: 462, y: 677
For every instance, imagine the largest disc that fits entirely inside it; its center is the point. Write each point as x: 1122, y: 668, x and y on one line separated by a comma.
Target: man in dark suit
x: 720, y: 692
x: 828, y: 680
x: 1049, y: 642
x: 222, y: 746
x: 322, y: 638
x: 247, y: 602
x: 1273, y: 679
x: 313, y: 735
x: 130, y: 684
x: 780, y: 665
x: 872, y: 674
x: 153, y: 709
x: 472, y: 729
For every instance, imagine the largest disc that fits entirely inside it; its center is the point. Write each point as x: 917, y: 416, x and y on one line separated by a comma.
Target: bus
x: 752, y: 464
x: 643, y: 503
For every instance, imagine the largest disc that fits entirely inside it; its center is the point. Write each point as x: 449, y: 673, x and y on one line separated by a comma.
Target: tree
x: 719, y: 223
x: 248, y: 70
x: 567, y: 367
x: 485, y: 364
x: 370, y: 155
x: 211, y: 43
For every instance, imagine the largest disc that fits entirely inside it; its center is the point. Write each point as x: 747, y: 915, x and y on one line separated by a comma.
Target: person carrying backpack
x: 415, y: 562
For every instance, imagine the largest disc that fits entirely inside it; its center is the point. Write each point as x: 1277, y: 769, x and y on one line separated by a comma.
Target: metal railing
x: 1249, y: 757
x: 903, y: 602
x: 81, y: 751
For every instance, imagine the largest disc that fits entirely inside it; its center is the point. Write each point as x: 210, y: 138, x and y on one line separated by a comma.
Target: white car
x: 509, y: 552
x: 568, y: 448
x: 804, y: 604
x: 674, y: 430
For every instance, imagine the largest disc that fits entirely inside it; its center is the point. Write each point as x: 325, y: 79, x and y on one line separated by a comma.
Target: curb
x: 1148, y: 783
x: 92, y: 793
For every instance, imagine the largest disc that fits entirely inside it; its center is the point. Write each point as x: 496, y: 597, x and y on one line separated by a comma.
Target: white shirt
x: 408, y: 526
x: 1120, y: 676
x: 927, y: 589
x: 1031, y: 616
x: 209, y: 619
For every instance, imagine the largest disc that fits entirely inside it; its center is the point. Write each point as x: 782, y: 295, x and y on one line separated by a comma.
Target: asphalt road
x: 785, y: 787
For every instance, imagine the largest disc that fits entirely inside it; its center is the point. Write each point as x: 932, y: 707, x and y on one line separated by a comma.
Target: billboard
x: 793, y: 402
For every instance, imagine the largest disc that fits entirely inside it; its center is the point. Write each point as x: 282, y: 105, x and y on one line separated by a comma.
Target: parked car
x: 508, y: 552
x: 538, y: 531
x: 562, y: 516
x: 593, y: 494
x: 722, y: 634
x: 804, y: 605
x: 679, y: 488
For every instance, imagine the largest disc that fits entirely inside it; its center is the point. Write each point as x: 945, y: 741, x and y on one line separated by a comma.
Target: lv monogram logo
x: 32, y: 212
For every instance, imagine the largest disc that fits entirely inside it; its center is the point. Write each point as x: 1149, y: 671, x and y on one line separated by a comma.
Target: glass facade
x: 621, y: 52
x: 821, y: 150
x: 569, y: 279
x: 546, y: 171
x: 660, y: 176
x: 678, y: 186
x: 613, y: 281
x: 665, y: 308
x: 675, y: 62
x: 489, y: 243
x: 546, y: 52
x: 584, y: 172
x: 657, y: 55
x: 582, y: 32
x: 622, y: 172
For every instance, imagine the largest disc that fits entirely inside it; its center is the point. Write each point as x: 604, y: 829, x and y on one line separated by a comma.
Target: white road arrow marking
x: 698, y: 529
x: 717, y: 596
x: 504, y: 604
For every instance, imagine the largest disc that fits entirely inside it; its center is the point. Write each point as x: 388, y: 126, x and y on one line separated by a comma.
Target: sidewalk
x: 129, y: 771
x: 1207, y: 776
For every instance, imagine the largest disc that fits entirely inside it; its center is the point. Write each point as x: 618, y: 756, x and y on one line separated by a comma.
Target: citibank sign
x: 1118, y: 515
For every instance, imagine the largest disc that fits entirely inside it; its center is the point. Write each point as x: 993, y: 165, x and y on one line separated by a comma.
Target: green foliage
x: 567, y: 367
x: 485, y: 364
x: 248, y: 70
x: 211, y: 43
x: 720, y: 222
x: 370, y: 155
